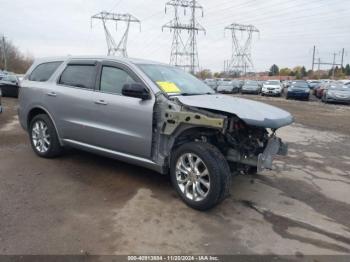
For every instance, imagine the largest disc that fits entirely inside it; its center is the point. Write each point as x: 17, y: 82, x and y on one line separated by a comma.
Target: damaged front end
x: 247, y: 148
x: 252, y: 147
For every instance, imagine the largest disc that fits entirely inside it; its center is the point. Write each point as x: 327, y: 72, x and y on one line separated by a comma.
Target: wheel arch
x: 185, y: 134
x: 37, y: 110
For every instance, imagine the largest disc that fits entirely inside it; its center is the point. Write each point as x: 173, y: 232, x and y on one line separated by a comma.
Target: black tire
x: 219, y: 173
x: 54, y: 149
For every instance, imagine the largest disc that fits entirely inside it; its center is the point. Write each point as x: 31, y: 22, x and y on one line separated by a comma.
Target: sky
x: 288, y: 29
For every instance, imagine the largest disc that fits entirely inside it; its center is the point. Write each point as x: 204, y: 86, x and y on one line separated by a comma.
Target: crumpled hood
x: 251, y: 112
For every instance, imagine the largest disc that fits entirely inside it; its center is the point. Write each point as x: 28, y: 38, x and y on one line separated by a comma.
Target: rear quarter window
x: 44, y: 71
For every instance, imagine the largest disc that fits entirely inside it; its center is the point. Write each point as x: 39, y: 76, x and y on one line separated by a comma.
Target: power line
x: 184, y: 52
x: 241, y: 59
x: 113, y: 48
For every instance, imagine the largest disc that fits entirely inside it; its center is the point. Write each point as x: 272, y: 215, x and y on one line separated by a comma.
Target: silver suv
x: 153, y: 115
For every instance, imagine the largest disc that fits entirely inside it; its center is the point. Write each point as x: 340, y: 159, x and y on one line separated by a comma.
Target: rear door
x: 71, y: 100
x: 124, y: 123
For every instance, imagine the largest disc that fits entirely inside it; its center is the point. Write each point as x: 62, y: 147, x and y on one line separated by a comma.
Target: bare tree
x: 12, y: 59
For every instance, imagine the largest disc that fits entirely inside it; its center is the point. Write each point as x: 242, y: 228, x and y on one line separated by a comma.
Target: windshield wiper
x: 195, y: 94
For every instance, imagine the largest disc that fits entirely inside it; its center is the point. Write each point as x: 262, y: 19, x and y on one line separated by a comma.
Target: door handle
x: 52, y: 94
x: 101, y: 102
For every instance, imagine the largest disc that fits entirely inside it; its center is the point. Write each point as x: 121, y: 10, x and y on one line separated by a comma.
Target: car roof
x: 110, y: 58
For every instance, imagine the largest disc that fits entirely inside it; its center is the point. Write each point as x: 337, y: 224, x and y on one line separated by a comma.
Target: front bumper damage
x: 274, y: 147
x: 264, y: 160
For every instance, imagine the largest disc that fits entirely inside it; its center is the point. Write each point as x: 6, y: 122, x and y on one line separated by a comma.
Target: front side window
x: 82, y: 76
x: 44, y: 71
x: 113, y: 79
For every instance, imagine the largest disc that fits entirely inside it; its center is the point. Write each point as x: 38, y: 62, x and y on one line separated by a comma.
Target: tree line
x: 300, y: 72
x: 12, y: 59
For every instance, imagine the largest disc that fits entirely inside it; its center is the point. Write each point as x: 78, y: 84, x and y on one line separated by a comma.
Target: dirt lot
x: 82, y: 203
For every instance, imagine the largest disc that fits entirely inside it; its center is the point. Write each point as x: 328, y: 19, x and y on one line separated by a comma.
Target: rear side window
x: 82, y: 76
x: 43, y: 72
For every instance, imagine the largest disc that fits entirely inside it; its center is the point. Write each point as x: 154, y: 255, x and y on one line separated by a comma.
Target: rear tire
x: 43, y: 137
x: 200, y: 174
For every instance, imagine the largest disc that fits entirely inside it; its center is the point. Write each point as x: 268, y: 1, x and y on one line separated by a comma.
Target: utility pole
x: 313, y: 58
x: 114, y: 49
x: 241, y: 58
x: 342, y: 57
x: 184, y: 52
x: 333, y: 66
x: 4, y: 52
x: 333, y: 63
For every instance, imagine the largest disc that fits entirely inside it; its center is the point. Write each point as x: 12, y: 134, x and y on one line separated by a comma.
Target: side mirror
x: 136, y: 90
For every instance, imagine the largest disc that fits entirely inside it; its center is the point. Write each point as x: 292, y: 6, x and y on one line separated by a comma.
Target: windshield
x: 172, y: 80
x: 225, y: 83
x: 300, y: 84
x: 339, y: 87
x: 251, y: 83
x: 10, y: 78
x: 274, y: 83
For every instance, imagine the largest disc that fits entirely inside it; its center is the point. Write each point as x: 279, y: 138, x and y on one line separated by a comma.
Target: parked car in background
x: 345, y: 81
x: 153, y: 115
x: 20, y: 77
x: 298, y: 89
x: 284, y: 83
x: 337, y: 94
x: 9, y: 86
x: 261, y: 82
x: 318, y: 92
x: 272, y: 87
x: 212, y: 83
x: 236, y: 86
x: 227, y: 87
x: 251, y: 87
x: 314, y: 83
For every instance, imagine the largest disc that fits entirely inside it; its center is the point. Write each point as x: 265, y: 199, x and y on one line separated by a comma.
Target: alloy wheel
x: 40, y: 136
x: 192, y: 177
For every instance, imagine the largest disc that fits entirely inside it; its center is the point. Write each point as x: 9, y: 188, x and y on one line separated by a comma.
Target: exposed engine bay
x: 247, y: 148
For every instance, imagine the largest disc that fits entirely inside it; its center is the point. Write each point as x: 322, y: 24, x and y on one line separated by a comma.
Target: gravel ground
x: 83, y: 203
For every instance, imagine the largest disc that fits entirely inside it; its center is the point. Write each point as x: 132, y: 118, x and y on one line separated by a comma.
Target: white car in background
x: 272, y: 87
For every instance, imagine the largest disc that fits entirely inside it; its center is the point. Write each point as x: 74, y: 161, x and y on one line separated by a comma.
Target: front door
x: 124, y: 124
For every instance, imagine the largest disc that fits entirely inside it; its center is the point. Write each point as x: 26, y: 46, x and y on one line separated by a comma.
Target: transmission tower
x: 241, y: 59
x: 184, y: 52
x: 119, y: 49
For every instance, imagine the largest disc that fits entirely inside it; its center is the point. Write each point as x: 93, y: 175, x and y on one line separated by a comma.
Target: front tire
x: 43, y: 137
x: 200, y: 174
